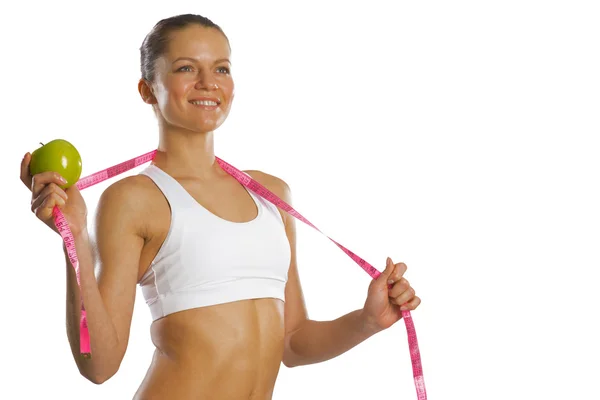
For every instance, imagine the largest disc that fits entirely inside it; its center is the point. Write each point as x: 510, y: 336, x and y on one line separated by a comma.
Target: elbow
x: 96, y: 379
x: 288, y: 354
x: 289, y: 363
x: 100, y: 369
x: 290, y: 359
x: 98, y: 376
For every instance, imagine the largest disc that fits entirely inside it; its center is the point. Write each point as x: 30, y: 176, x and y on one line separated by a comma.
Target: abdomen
x: 225, y: 351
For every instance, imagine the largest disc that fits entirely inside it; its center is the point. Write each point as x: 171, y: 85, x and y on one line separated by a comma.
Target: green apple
x: 59, y: 156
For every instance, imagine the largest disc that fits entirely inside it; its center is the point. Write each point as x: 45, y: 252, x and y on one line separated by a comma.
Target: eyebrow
x: 195, y: 60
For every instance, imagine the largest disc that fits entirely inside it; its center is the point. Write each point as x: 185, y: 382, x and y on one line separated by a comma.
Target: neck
x: 186, y: 154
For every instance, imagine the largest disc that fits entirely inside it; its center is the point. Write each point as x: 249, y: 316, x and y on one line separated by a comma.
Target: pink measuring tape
x: 67, y: 236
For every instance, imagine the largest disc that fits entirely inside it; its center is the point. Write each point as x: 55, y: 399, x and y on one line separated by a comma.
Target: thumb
x: 25, y: 174
x: 389, y: 268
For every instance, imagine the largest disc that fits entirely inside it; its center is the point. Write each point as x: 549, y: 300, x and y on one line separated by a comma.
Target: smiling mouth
x: 209, y: 103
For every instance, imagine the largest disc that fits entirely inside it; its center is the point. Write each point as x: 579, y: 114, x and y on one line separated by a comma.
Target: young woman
x: 216, y: 263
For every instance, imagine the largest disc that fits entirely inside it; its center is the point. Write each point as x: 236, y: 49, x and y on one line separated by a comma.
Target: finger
x: 412, y: 304
x: 389, y: 267
x: 50, y: 188
x: 399, y: 287
x: 25, y: 174
x: 380, y: 282
x: 42, y: 179
x: 44, y: 211
x: 405, y: 297
x: 399, y: 270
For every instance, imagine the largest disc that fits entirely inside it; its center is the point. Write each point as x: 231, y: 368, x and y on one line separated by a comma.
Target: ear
x: 145, y: 91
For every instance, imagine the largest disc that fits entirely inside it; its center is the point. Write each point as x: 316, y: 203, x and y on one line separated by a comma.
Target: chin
x: 196, y: 123
x: 204, y: 126
x: 208, y: 124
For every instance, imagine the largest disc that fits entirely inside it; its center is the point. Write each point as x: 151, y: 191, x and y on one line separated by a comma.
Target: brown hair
x: 156, y: 42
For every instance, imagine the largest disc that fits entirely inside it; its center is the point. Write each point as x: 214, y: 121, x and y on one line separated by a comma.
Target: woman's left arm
x: 308, y: 341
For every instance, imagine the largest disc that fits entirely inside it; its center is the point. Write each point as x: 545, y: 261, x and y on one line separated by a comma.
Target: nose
x: 206, y: 81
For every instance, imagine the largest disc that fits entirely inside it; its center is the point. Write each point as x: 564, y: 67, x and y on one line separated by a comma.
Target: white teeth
x: 204, y: 102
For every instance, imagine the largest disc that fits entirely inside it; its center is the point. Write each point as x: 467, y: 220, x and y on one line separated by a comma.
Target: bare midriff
x: 230, y: 351
x: 221, y: 352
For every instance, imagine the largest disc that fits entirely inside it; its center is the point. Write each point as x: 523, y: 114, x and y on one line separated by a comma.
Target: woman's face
x: 193, y: 88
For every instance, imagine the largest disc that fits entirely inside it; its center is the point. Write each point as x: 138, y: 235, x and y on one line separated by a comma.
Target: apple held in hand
x: 58, y: 156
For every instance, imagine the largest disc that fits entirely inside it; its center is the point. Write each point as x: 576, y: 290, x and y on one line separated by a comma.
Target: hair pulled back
x: 156, y: 42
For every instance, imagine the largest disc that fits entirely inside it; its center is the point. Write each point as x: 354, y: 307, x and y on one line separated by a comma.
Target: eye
x: 185, y: 68
x: 224, y: 70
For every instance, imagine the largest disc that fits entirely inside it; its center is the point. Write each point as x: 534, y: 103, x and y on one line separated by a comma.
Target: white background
x: 458, y: 137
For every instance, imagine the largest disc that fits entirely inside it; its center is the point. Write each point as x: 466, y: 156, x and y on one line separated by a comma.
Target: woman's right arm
x: 108, y: 297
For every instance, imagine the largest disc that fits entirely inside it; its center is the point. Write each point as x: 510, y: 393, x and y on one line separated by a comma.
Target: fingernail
x: 63, y: 180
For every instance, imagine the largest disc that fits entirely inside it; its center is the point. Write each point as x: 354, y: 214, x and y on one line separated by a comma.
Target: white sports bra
x: 206, y: 260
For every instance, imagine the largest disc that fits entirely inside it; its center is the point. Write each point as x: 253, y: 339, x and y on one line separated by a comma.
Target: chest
x: 227, y: 202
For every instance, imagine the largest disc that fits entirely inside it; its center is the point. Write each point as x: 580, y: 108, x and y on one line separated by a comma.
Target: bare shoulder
x: 128, y: 192
x: 128, y: 200
x: 273, y: 183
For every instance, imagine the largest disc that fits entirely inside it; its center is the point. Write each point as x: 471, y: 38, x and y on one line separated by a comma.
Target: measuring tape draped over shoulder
x: 256, y: 187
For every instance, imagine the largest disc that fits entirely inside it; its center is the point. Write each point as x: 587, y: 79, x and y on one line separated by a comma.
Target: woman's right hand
x: 46, y: 194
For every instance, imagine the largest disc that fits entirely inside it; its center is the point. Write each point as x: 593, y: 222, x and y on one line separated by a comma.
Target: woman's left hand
x: 387, y: 296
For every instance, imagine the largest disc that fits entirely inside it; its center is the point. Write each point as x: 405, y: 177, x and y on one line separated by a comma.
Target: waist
x: 167, y: 380
x: 231, y: 350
